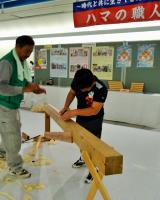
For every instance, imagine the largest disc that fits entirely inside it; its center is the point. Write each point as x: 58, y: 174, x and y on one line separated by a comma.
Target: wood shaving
x: 42, y: 162
x: 3, y: 165
x: 27, y: 197
x: 8, y: 196
x: 39, y: 162
x: 7, y: 180
x: 51, y: 142
x: 38, y: 108
x: 30, y: 187
x: 28, y: 158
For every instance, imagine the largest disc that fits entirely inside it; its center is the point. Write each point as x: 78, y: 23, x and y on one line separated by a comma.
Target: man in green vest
x: 15, y: 79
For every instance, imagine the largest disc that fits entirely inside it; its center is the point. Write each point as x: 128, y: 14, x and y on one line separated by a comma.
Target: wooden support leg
x: 35, y: 152
x: 47, y: 123
x: 63, y: 136
x: 97, y: 179
x: 93, y: 189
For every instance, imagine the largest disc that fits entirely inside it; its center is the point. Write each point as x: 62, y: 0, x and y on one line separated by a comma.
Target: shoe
x: 88, y: 179
x: 79, y: 163
x: 23, y: 173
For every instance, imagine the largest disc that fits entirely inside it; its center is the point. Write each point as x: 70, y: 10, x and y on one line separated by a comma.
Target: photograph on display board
x: 124, y: 56
x: 58, y: 62
x: 145, y: 55
x: 78, y: 58
x: 41, y: 59
x: 102, y: 62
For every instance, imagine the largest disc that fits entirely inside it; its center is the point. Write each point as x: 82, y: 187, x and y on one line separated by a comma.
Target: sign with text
x: 96, y: 12
x: 58, y: 62
x: 102, y: 62
x: 78, y: 58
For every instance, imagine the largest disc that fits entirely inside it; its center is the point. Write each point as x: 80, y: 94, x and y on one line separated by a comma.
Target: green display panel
x: 150, y: 76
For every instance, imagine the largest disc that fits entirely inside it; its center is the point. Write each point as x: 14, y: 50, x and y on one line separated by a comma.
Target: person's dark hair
x: 24, y: 40
x: 83, y: 78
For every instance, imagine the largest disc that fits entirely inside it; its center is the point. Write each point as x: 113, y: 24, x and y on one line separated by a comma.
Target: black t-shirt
x: 98, y: 93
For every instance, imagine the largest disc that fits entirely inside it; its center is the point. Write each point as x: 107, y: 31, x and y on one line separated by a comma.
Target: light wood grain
x: 106, y: 158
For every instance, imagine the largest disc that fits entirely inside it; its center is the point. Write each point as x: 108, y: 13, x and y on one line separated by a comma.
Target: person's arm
x: 33, y: 87
x: 93, y: 110
x: 71, y: 95
x: 97, y: 104
x: 6, y: 71
x: 5, y: 75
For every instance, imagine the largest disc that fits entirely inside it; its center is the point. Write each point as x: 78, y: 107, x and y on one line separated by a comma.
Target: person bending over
x: 91, y: 94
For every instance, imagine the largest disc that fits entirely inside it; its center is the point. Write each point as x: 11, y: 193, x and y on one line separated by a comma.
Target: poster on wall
x: 78, y: 58
x: 58, y: 62
x: 145, y: 55
x: 102, y: 62
x: 41, y: 59
x: 124, y: 56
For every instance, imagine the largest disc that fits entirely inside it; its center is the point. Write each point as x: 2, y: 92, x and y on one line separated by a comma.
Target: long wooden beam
x: 103, y: 156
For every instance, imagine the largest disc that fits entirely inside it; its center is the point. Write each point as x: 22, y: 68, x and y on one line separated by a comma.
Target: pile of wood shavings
x: 27, y: 197
x: 8, y: 196
x: 51, y: 142
x: 3, y: 165
x: 41, y: 161
x: 30, y: 186
x: 38, y: 108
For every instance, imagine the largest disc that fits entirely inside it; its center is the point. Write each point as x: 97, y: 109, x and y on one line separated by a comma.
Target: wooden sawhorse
x: 95, y: 152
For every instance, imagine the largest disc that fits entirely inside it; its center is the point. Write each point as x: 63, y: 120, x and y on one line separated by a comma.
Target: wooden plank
x: 63, y: 136
x: 105, y: 157
x: 35, y: 151
x: 93, y: 189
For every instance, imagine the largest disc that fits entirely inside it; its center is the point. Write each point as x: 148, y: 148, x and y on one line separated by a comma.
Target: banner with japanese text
x: 145, y: 55
x: 41, y: 59
x: 58, y: 62
x: 124, y: 56
x: 102, y: 62
x: 78, y: 58
x: 96, y: 12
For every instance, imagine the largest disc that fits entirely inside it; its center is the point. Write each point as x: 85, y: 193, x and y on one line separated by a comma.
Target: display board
x: 150, y: 76
x: 58, y: 62
x: 78, y: 58
x: 102, y: 62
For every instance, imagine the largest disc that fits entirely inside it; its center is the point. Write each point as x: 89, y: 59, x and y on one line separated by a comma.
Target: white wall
x: 36, y: 25
x: 59, y: 29
x: 130, y: 108
x: 61, y: 23
x: 6, y: 46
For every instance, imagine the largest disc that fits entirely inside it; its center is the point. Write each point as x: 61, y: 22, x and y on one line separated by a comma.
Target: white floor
x: 141, y: 171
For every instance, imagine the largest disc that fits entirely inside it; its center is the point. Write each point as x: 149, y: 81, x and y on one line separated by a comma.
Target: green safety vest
x: 12, y: 102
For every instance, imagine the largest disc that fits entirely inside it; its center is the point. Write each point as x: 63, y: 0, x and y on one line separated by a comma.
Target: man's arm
x: 33, y: 87
x: 5, y: 75
x: 71, y: 95
x: 9, y: 90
